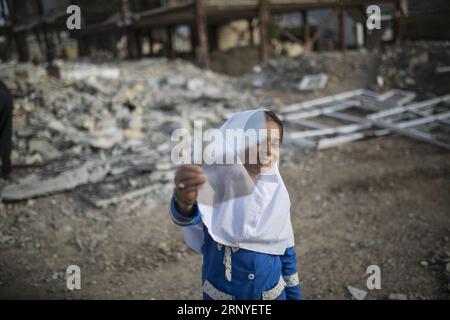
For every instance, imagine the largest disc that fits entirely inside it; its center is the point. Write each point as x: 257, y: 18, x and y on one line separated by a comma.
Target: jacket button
x: 251, y: 276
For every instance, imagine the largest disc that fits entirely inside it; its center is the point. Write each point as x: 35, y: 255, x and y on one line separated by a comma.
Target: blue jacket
x: 235, y: 273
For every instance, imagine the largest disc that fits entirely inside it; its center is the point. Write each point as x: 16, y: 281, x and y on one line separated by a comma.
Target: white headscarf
x: 241, y: 212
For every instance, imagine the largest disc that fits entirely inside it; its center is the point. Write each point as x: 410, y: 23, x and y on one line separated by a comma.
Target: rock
x: 96, y: 112
x: 357, y: 294
x: 25, y: 216
x: 380, y: 81
x: 195, y: 84
x: 34, y: 159
x: 35, y: 185
x: 397, y: 296
x: 313, y: 82
x: 45, y: 149
x: 424, y: 263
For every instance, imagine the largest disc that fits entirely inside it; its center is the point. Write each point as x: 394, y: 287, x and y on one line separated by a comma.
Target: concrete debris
x: 36, y: 185
x: 80, y: 71
x: 111, y: 120
x: 397, y: 296
x: 357, y: 294
x: 413, y: 66
x: 313, y: 82
x: 286, y: 73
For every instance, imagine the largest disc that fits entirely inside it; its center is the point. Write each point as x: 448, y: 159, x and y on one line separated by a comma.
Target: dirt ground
x: 384, y: 201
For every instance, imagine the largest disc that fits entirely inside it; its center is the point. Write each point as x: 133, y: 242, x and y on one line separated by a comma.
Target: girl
x: 238, y: 217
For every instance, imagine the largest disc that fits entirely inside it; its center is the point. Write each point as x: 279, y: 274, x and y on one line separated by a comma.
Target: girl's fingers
x: 192, y: 167
x: 180, y: 176
x: 192, y: 188
x: 180, y: 179
x: 189, y: 176
x: 191, y: 182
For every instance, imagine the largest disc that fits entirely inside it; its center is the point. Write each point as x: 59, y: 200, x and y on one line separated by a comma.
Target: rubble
x: 313, y: 82
x: 414, y: 66
x: 36, y: 185
x: 331, y: 68
x: 397, y: 296
x: 357, y: 294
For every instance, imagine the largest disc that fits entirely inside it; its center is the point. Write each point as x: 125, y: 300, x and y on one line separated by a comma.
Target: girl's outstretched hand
x: 188, y: 179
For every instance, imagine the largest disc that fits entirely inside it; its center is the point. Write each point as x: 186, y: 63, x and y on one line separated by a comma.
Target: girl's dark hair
x: 255, y: 121
x: 270, y: 115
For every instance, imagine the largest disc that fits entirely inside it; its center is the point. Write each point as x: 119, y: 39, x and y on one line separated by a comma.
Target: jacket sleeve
x: 290, y: 275
x: 182, y: 220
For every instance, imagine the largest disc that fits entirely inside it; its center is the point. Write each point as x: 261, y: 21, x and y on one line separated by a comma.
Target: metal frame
x: 380, y: 107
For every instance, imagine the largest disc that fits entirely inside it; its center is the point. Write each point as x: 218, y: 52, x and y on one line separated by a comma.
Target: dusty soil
x: 383, y: 201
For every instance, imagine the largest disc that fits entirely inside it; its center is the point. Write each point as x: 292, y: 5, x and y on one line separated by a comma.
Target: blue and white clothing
x: 230, y: 272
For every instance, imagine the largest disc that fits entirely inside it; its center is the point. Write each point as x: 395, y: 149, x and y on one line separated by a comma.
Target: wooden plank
x: 342, y: 35
x: 411, y: 107
x: 263, y: 14
x: 322, y: 26
x: 347, y: 117
x: 405, y: 96
x: 321, y: 111
x: 412, y: 133
x: 306, y: 30
x: 309, y: 124
x: 422, y: 121
x: 316, y: 102
x: 339, y: 140
x: 200, y: 28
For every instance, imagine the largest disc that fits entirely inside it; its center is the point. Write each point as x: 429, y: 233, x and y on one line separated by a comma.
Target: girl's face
x: 268, y: 154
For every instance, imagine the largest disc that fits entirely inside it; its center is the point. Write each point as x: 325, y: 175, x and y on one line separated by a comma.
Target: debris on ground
x: 313, y: 82
x: 357, y: 294
x: 101, y: 120
x: 397, y: 296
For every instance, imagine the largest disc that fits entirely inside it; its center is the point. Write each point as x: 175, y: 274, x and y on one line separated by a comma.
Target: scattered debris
x: 397, y: 296
x: 443, y: 69
x: 99, y: 126
x: 424, y: 263
x: 35, y: 185
x: 313, y: 82
x: 357, y: 294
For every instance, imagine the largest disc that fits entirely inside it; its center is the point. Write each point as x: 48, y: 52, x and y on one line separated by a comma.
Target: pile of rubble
x: 106, y: 130
x: 420, y: 66
x: 289, y: 73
